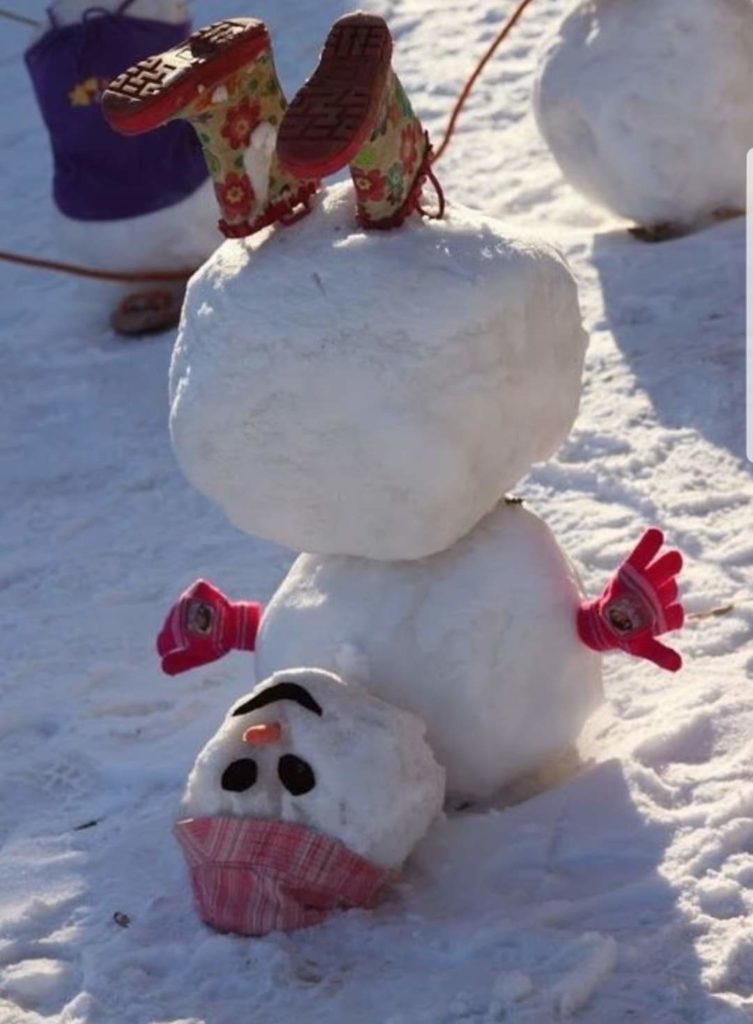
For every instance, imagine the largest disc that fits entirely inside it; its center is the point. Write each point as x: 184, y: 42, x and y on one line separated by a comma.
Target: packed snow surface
x: 377, y: 785
x: 645, y: 105
x: 621, y: 895
x: 373, y: 393
x: 480, y: 641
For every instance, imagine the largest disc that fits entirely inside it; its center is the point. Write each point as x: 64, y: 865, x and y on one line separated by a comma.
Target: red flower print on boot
x: 236, y: 198
x: 240, y: 122
x: 638, y: 604
x: 370, y: 185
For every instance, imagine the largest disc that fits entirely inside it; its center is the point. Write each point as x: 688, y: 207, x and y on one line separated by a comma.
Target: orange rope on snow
x: 466, y: 91
x: 21, y: 18
x: 99, y: 275
x: 183, y: 275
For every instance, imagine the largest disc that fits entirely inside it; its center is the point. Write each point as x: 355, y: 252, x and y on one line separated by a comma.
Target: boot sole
x: 156, y: 89
x: 333, y: 114
x: 150, y: 312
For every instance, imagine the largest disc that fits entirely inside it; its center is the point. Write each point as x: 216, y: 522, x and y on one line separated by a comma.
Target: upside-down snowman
x: 645, y: 105
x: 308, y: 799
x: 122, y: 205
x: 371, y: 396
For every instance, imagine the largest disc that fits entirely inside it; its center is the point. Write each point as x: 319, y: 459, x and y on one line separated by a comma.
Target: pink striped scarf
x: 252, y: 877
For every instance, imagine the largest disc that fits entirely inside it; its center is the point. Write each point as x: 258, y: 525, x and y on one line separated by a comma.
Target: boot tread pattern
x: 144, y: 79
x: 209, y: 41
x: 362, y: 41
x: 336, y: 101
x: 148, y: 77
x: 328, y: 111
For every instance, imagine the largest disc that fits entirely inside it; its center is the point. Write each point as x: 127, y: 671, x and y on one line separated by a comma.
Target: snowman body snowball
x: 373, y: 393
x: 645, y: 105
x: 480, y: 641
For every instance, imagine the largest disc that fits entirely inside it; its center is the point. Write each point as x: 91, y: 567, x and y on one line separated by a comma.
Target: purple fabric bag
x: 100, y: 175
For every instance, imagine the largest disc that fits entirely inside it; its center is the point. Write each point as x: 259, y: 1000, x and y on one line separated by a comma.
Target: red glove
x: 638, y: 604
x: 203, y: 626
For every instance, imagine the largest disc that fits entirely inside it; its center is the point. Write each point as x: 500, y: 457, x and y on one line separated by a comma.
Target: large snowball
x: 373, y: 393
x: 646, y: 105
x: 480, y: 641
x: 377, y: 787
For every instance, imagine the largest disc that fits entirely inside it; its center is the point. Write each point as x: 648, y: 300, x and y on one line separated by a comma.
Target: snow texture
x: 373, y: 394
x: 479, y: 641
x: 378, y: 787
x: 648, y: 843
x: 645, y: 105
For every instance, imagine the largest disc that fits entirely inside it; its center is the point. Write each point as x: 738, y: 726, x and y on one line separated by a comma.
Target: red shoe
x: 334, y: 113
x: 168, y: 85
x: 223, y: 81
x: 353, y: 110
x: 148, y: 312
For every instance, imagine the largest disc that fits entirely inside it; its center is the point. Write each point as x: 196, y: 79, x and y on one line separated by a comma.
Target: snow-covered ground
x: 623, y: 894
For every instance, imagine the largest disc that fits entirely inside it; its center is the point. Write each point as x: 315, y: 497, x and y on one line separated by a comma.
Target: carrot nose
x: 261, y: 735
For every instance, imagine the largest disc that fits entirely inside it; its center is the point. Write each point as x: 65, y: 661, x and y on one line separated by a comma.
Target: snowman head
x: 308, y: 795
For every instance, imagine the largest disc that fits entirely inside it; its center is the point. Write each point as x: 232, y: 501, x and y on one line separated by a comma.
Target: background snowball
x: 645, y: 105
x: 373, y: 393
x: 480, y: 641
x: 378, y: 786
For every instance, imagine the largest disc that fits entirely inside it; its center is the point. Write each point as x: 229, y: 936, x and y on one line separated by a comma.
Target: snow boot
x: 150, y: 311
x: 222, y: 80
x: 353, y: 111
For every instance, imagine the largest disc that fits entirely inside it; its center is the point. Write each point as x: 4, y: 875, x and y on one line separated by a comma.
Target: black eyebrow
x: 280, y: 691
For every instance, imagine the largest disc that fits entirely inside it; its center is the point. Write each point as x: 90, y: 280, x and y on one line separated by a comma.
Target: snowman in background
x: 121, y: 205
x: 645, y: 105
x: 308, y: 799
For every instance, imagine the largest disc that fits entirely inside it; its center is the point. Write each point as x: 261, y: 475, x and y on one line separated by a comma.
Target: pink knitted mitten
x: 203, y: 625
x: 638, y: 604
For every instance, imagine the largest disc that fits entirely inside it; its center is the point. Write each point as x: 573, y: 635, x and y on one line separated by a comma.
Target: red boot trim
x: 333, y: 114
x: 289, y: 210
x: 151, y: 92
x: 241, y: 230
x: 285, y: 211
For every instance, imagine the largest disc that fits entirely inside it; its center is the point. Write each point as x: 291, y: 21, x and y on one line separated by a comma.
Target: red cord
x: 99, y: 275
x: 20, y: 18
x: 460, y: 103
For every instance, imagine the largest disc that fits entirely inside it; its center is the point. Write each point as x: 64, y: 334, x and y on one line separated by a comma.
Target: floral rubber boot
x: 223, y: 81
x: 353, y: 110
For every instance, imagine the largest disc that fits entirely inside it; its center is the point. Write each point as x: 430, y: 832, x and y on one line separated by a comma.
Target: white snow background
x: 624, y: 894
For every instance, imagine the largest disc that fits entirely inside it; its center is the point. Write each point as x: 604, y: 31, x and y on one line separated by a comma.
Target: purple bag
x: 100, y: 175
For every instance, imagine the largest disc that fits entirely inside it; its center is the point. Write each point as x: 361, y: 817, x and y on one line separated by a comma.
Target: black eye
x: 296, y: 775
x: 239, y: 776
